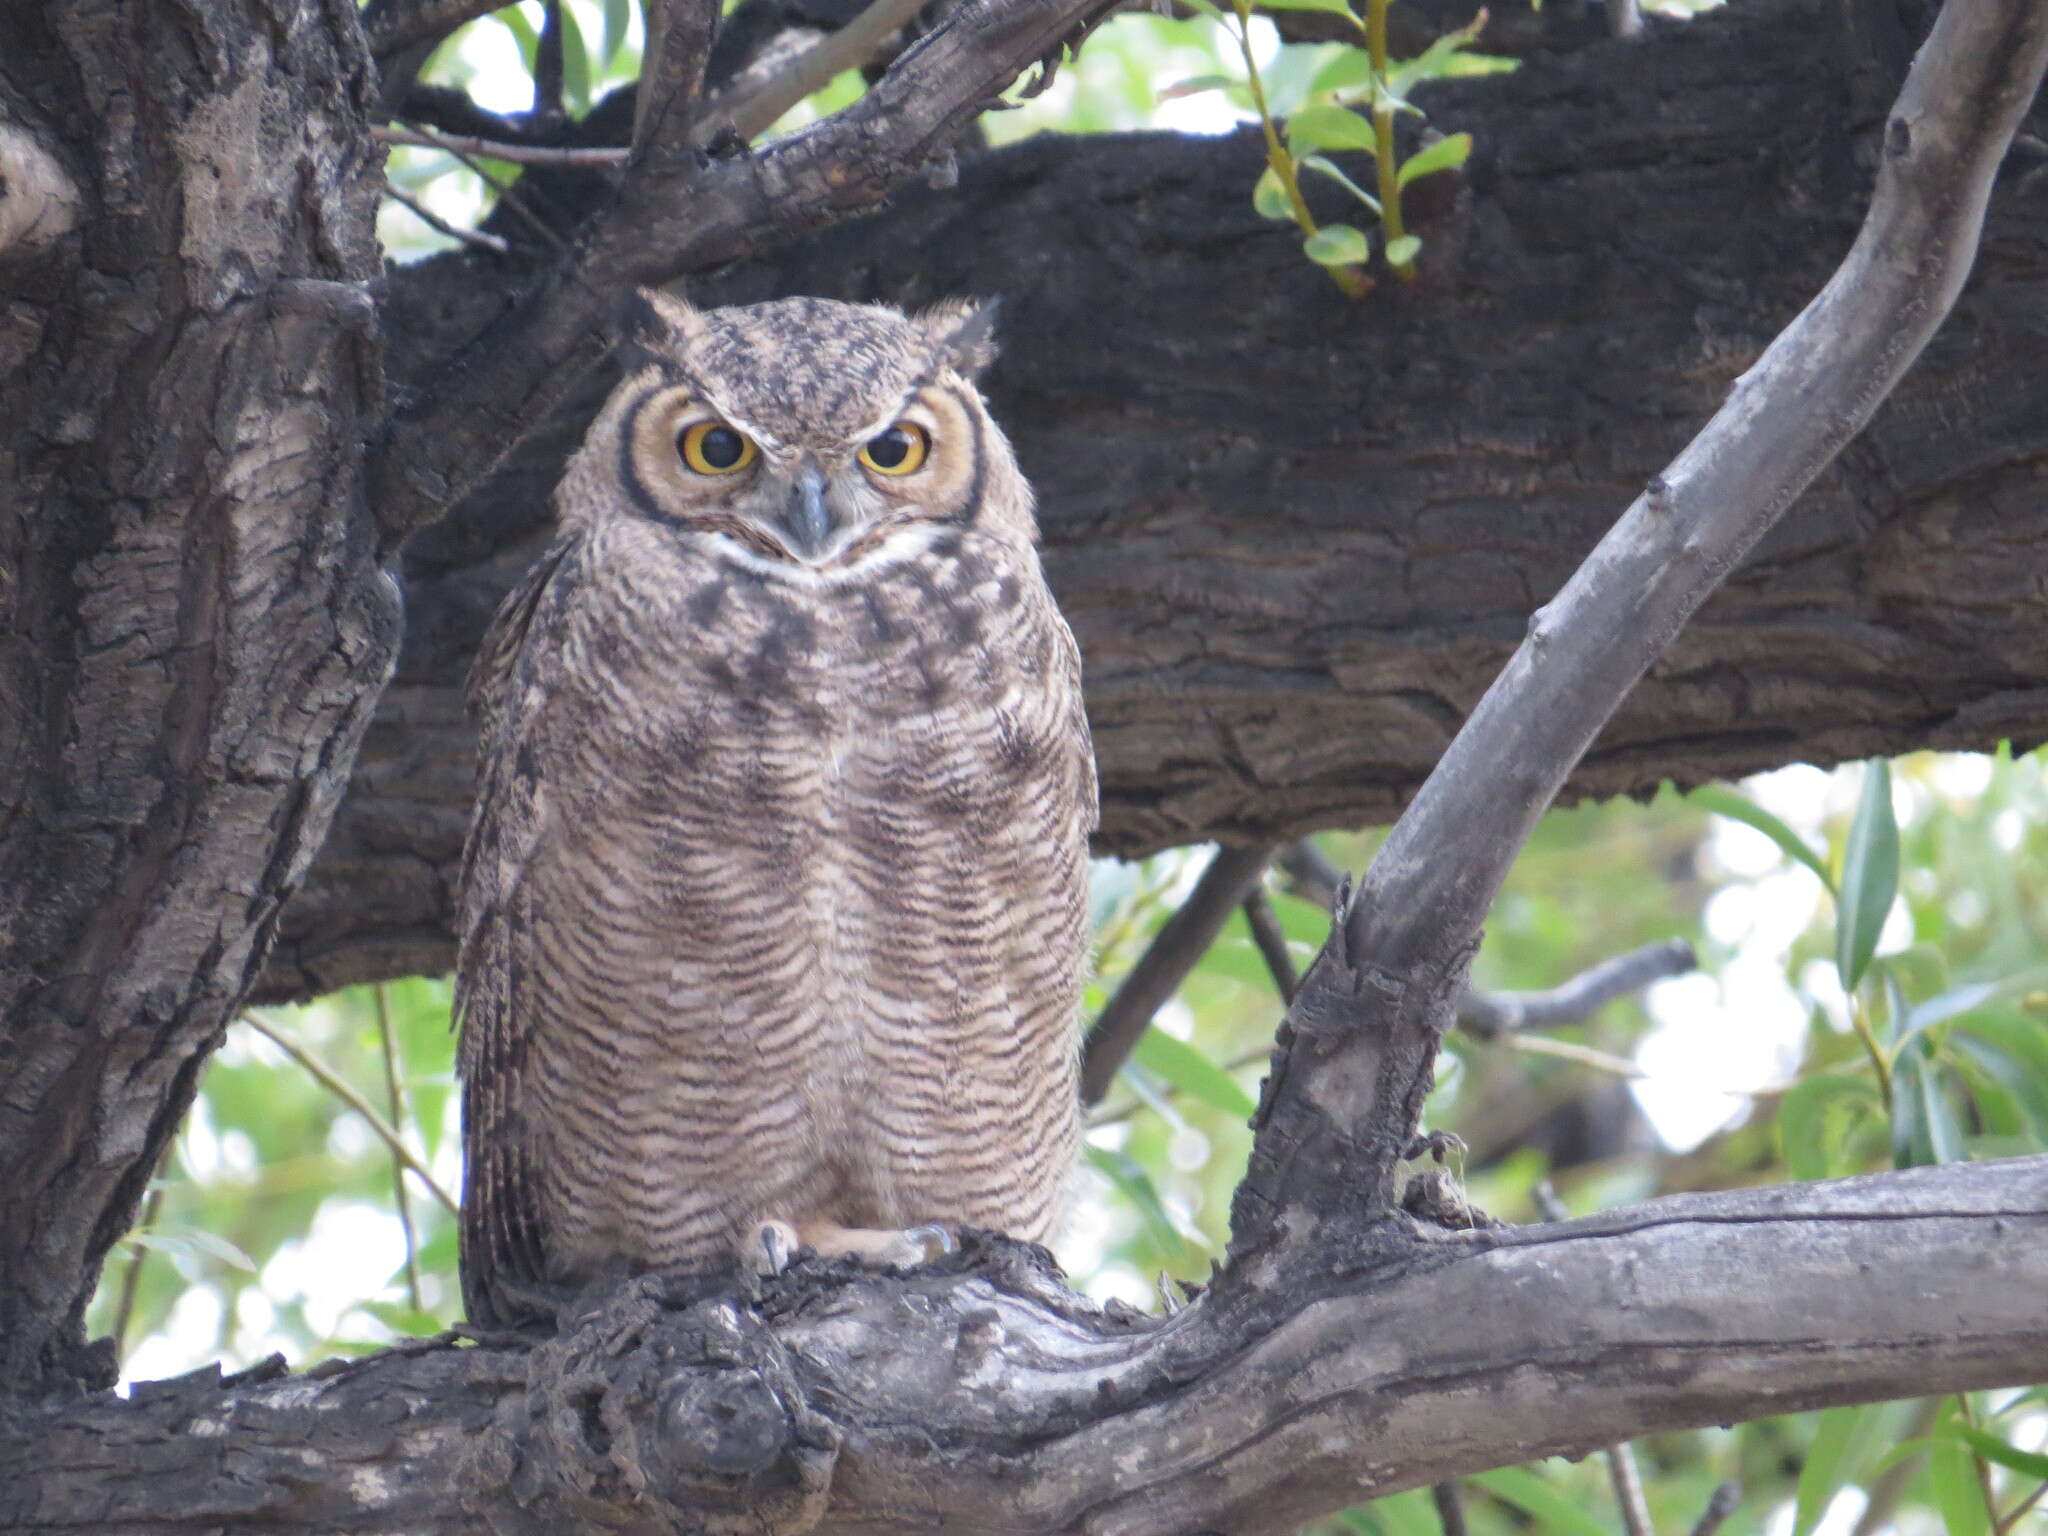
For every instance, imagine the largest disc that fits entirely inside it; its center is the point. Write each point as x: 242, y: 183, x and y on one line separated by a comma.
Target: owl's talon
x: 778, y: 1247
x: 935, y: 1242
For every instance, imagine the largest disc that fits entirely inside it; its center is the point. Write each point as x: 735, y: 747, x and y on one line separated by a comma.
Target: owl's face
x: 806, y: 431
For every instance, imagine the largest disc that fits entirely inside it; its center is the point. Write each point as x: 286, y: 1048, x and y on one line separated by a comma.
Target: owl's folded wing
x: 517, y: 669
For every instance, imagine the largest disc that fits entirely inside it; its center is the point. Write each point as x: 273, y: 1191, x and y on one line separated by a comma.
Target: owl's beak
x: 806, y: 522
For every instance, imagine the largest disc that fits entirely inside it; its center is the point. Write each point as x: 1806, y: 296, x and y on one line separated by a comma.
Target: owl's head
x: 805, y: 431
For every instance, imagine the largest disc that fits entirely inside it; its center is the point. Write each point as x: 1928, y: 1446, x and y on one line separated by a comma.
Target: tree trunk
x: 195, y: 625
x: 1298, y: 536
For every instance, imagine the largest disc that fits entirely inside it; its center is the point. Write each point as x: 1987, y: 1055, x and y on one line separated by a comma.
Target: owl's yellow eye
x: 898, y: 451
x: 713, y: 448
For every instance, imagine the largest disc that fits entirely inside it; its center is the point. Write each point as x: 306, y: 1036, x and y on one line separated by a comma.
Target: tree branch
x: 394, y: 26
x: 1489, y: 1015
x: 1338, y: 1117
x: 1001, y: 1391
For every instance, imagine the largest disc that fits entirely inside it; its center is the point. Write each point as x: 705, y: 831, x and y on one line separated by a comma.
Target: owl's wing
x: 517, y: 672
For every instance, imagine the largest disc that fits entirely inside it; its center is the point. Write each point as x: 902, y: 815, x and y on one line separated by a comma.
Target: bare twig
x: 1490, y: 1015
x: 466, y: 145
x: 2018, y: 1512
x: 751, y: 105
x: 679, y: 214
x: 396, y: 25
x: 427, y: 216
x: 1338, y: 1116
x: 337, y: 1085
x: 1173, y: 952
x: 1271, y: 940
x: 394, y: 1090
x: 550, y: 104
x: 1719, y: 1507
x: 131, y: 1277
x: 1568, y: 1050
x: 1450, y: 1507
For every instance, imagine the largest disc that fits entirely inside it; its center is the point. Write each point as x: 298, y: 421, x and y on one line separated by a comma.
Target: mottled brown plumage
x: 773, y: 908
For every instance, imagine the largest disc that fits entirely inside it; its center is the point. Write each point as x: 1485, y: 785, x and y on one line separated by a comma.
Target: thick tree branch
x: 1002, y: 1402
x: 675, y: 215
x: 1338, y: 1113
x: 393, y: 27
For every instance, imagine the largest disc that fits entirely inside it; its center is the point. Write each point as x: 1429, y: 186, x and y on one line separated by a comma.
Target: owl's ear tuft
x: 656, y: 325
x: 965, y: 332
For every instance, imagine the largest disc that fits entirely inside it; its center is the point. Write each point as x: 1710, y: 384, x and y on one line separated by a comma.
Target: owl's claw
x: 778, y: 1247
x: 934, y: 1242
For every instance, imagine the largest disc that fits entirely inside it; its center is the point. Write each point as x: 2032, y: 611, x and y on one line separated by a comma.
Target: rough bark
x: 194, y: 625
x: 1001, y: 1402
x: 1298, y: 537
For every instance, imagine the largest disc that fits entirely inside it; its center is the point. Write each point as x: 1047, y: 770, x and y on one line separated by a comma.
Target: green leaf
x: 1334, y: 7
x: 1924, y: 1126
x: 1192, y: 1073
x: 1195, y: 87
x: 523, y: 32
x: 1323, y: 167
x: 2015, y: 1051
x: 1445, y: 154
x: 1825, y: 1469
x: 1328, y: 127
x: 1870, y: 875
x: 1404, y: 250
x: 576, y: 71
x: 1808, y: 1113
x: 618, y: 20
x: 1991, y: 1448
x: 1337, y: 245
x: 1536, y: 1496
x: 1952, y: 1478
x: 1723, y: 801
x: 1270, y: 198
x: 1208, y: 8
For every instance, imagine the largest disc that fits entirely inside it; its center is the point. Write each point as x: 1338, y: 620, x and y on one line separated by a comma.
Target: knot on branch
x: 688, y: 1419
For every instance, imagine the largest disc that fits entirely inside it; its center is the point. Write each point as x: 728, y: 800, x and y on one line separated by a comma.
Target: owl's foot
x: 777, y: 1242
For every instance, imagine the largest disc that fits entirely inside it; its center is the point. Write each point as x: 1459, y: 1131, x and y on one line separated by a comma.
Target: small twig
x: 329, y: 1079
x: 2019, y: 1510
x: 427, y: 216
x: 464, y: 146
x: 1450, y: 1507
x: 1175, y: 950
x: 1977, y: 1460
x: 1489, y: 1015
x: 1621, y: 1458
x: 1584, y: 1055
x: 131, y: 1278
x: 1719, y: 1507
x: 549, y: 104
x: 1271, y: 940
x: 1628, y: 1489
x: 394, y: 1087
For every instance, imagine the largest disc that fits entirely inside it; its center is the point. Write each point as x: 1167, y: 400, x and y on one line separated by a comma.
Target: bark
x: 1298, y: 537
x: 1002, y: 1402
x: 195, y: 628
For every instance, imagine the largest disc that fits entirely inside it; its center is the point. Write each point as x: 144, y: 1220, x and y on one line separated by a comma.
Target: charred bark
x: 1298, y: 537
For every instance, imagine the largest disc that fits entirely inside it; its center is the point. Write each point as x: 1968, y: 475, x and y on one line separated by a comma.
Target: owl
x: 773, y: 906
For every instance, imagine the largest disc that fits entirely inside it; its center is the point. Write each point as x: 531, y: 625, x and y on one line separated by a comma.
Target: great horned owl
x: 773, y: 908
